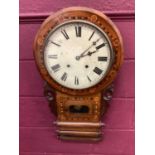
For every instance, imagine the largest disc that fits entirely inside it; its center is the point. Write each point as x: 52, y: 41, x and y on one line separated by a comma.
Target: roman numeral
x: 89, y: 78
x: 76, y: 81
x: 56, y: 67
x: 78, y: 31
x: 97, y: 70
x: 100, y: 46
x: 55, y: 43
x: 64, y: 77
x: 91, y: 36
x: 102, y: 58
x: 65, y: 34
x: 53, y: 56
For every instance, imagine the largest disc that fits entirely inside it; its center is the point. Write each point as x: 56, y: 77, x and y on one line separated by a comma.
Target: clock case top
x: 89, y: 15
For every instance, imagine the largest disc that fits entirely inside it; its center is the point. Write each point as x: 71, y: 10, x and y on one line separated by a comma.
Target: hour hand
x: 89, y: 53
x: 82, y: 54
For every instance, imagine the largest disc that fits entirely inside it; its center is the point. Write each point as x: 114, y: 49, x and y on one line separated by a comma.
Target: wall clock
x: 78, y: 52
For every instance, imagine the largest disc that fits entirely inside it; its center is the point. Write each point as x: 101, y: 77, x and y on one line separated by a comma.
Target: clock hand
x: 93, y: 44
x: 81, y: 55
x: 90, y: 53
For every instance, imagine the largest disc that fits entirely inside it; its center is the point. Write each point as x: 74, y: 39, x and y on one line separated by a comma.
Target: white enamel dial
x: 77, y: 54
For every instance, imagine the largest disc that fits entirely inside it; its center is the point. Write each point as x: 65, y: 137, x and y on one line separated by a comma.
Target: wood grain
x: 28, y: 31
x: 44, y: 140
x: 89, y: 15
x: 46, y: 6
x: 31, y: 83
x: 37, y: 141
x: 34, y: 112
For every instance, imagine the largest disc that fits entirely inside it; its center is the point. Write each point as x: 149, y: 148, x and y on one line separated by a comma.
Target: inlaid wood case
x: 78, y: 52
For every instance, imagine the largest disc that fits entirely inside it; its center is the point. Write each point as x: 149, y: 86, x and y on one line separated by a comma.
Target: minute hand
x: 90, y: 53
x: 81, y: 55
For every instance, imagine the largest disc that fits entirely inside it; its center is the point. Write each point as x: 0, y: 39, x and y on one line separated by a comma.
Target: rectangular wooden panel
x: 114, y: 141
x: 46, y: 6
x: 38, y: 153
x: 28, y: 32
x: 37, y: 133
x: 31, y: 83
x: 120, y: 114
x: 35, y: 112
x: 44, y: 140
x: 124, y: 84
x: 44, y: 153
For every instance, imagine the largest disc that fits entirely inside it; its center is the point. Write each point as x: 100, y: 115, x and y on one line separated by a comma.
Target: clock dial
x: 77, y: 54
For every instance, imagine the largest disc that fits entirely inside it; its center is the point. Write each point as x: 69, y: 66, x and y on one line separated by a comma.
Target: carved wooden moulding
x: 78, y: 52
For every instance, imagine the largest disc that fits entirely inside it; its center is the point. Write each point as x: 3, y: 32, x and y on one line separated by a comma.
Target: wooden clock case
x: 79, y: 111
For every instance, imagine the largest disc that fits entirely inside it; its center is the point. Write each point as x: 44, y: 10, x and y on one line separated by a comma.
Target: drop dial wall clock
x: 78, y: 52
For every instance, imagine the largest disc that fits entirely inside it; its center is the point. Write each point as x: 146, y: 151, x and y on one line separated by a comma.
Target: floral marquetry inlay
x: 78, y: 52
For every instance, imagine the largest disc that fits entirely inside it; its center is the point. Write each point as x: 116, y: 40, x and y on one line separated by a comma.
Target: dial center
x: 77, y: 58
